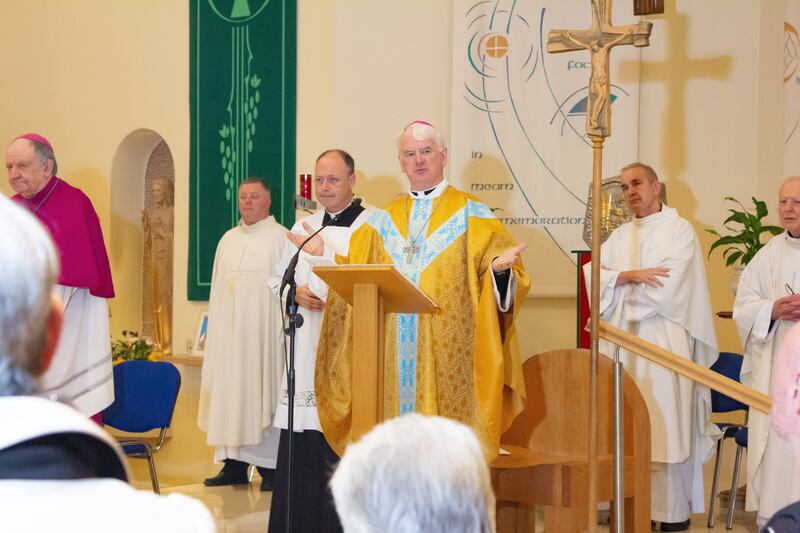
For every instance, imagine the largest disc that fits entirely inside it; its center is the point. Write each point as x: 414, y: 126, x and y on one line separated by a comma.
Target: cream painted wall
x: 362, y: 76
x: 86, y: 73
x: 91, y: 72
x: 711, y: 117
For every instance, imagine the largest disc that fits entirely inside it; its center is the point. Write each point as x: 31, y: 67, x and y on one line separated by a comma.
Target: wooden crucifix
x: 599, y: 39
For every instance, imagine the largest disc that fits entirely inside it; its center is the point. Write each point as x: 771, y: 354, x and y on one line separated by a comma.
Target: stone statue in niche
x: 158, y: 239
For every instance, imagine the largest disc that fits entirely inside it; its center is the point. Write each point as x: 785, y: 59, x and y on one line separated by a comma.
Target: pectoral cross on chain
x: 410, y: 250
x: 599, y: 39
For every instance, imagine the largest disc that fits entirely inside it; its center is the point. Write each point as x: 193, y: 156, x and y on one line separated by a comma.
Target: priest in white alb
x: 766, y: 308
x: 244, y: 345
x: 314, y: 460
x: 653, y: 285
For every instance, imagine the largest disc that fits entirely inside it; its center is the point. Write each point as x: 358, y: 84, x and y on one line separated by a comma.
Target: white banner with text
x: 519, y: 120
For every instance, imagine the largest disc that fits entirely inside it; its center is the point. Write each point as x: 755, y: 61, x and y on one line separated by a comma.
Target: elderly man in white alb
x: 59, y: 471
x: 653, y: 285
x: 766, y: 308
x: 243, y: 360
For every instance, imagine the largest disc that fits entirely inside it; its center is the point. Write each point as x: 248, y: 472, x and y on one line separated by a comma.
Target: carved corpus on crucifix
x: 599, y: 39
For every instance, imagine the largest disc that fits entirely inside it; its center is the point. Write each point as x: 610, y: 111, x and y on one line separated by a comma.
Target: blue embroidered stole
x: 431, y: 245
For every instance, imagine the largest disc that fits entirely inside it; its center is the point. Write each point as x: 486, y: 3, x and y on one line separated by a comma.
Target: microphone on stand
x: 288, y: 275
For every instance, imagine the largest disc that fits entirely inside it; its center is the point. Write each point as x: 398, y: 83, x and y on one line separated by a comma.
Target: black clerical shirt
x: 346, y: 217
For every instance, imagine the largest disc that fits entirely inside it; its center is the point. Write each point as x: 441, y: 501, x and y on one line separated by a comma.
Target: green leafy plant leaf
x: 761, y: 208
x: 733, y: 257
x: 745, y: 232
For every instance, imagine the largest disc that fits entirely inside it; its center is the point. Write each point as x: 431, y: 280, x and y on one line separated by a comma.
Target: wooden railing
x: 684, y: 367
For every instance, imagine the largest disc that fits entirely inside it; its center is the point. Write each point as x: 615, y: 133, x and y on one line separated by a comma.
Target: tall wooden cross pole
x: 598, y: 40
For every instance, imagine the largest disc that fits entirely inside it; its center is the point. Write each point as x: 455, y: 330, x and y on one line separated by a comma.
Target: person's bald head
x: 30, y: 163
x: 254, y: 200
x: 422, y: 153
x: 789, y: 205
x: 334, y: 179
x: 640, y: 189
x: 790, y: 182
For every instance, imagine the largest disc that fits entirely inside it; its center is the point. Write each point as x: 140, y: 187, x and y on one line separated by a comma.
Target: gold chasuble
x: 461, y: 362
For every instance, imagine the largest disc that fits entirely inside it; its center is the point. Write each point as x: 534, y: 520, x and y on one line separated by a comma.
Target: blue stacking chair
x: 145, y: 393
x: 729, y: 365
x: 741, y: 443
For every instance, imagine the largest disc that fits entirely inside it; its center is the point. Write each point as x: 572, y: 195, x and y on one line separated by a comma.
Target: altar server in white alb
x: 312, y: 509
x: 767, y: 306
x: 653, y: 285
x: 244, y: 346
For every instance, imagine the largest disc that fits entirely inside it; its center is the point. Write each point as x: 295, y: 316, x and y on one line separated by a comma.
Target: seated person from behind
x: 59, y: 471
x: 415, y: 473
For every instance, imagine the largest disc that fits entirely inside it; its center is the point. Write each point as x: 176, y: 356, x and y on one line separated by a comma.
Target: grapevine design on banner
x: 237, y: 136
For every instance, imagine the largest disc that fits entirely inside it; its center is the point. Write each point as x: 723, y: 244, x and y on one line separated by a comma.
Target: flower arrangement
x: 742, y: 244
x: 131, y: 347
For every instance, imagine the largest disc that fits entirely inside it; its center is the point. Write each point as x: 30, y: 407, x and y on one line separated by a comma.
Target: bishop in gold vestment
x: 461, y: 362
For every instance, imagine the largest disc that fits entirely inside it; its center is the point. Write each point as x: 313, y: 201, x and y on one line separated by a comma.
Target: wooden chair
x: 548, y: 446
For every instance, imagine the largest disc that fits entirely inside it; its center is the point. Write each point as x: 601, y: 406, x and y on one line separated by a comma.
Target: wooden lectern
x: 373, y: 291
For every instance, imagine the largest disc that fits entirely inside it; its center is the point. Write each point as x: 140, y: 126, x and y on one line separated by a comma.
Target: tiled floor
x: 245, y: 509
x: 236, y: 509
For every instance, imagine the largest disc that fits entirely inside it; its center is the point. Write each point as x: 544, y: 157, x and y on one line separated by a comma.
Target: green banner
x: 242, y: 98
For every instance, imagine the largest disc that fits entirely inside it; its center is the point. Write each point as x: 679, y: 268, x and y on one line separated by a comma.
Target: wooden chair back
x: 549, y: 442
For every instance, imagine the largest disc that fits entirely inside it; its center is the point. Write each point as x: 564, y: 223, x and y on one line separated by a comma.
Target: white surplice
x: 244, y: 346
x: 88, y: 505
x: 676, y: 317
x: 81, y: 372
x: 337, y: 241
x: 773, y: 477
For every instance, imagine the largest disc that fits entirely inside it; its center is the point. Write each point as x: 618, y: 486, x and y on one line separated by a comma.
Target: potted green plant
x: 744, y: 239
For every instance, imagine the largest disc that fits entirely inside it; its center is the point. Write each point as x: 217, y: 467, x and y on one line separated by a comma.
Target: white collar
x: 332, y: 214
x: 431, y: 193
x: 664, y: 212
x: 257, y: 225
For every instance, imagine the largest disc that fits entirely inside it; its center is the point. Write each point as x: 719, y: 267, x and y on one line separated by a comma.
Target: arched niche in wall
x: 126, y: 243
